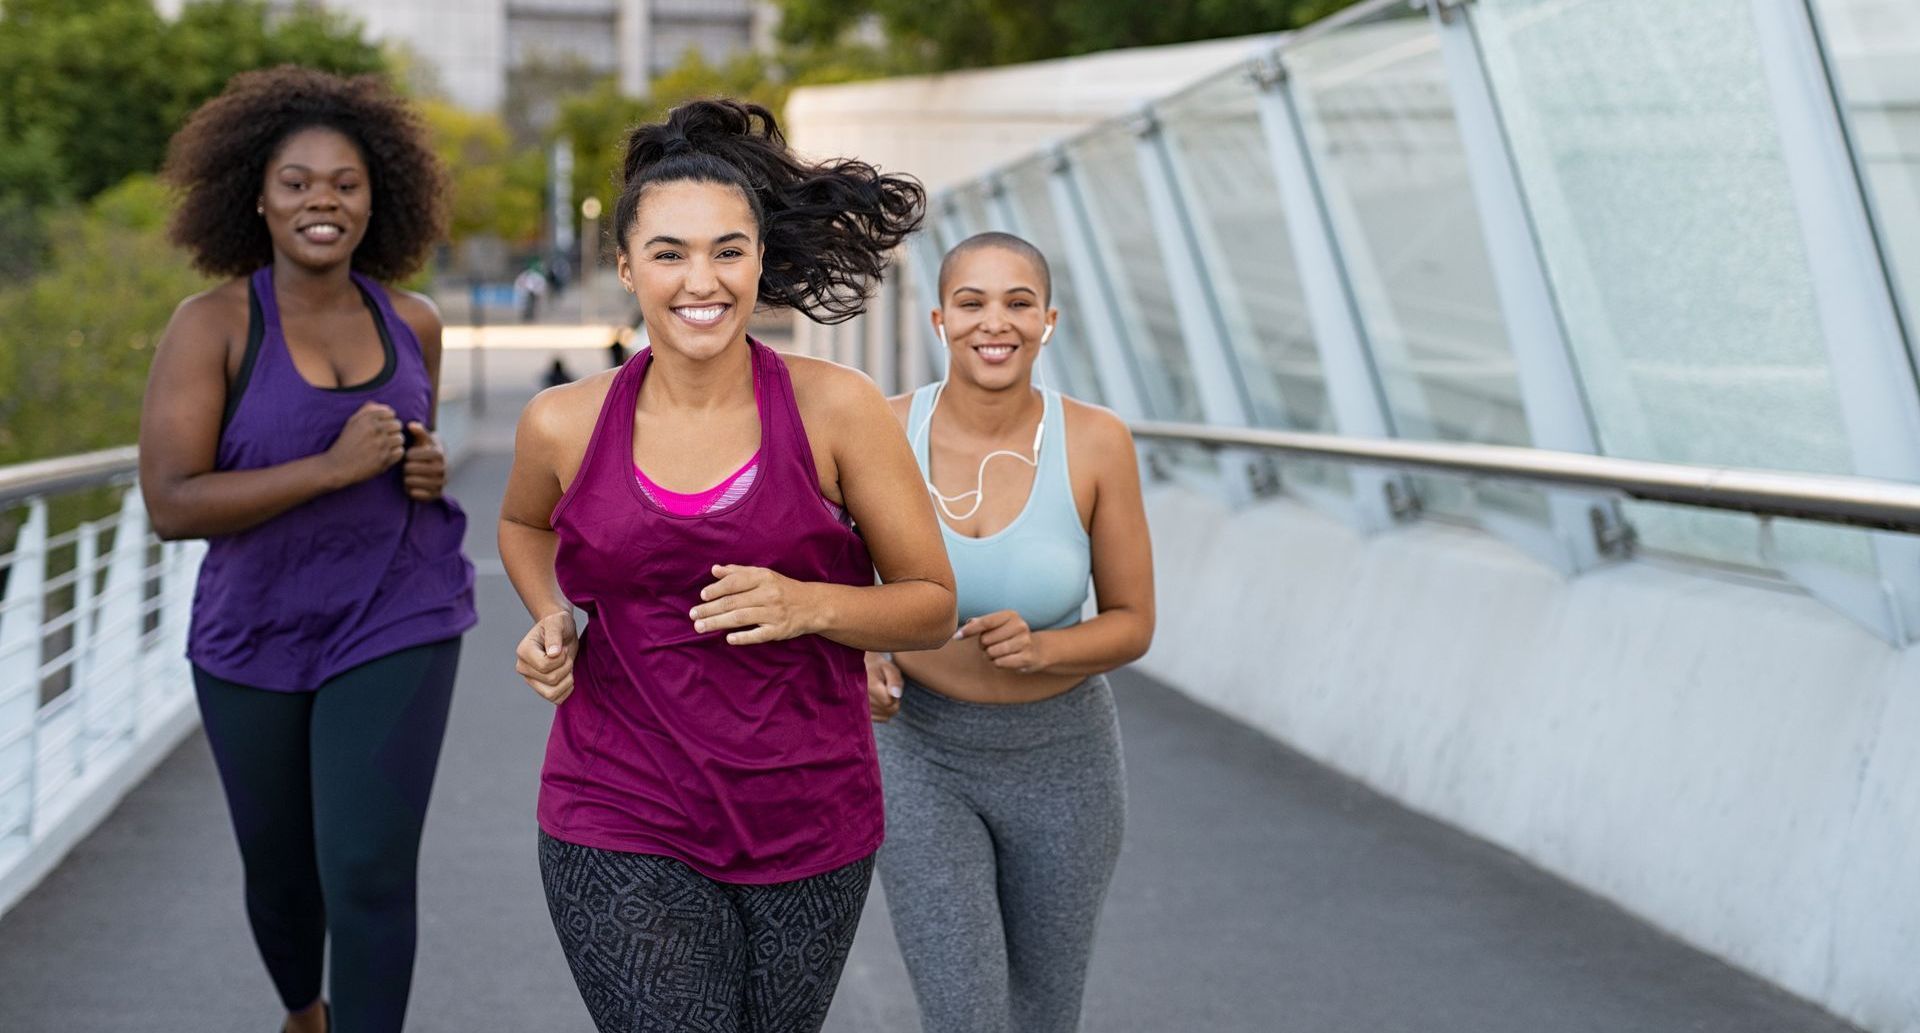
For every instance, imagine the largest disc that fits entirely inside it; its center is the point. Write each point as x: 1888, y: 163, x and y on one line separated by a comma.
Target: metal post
x: 1007, y: 212
x: 1870, y: 361
x: 877, y: 341
x: 925, y: 252
x: 83, y: 668
x: 120, y: 608
x: 1558, y: 417
x: 953, y: 222
x: 589, y: 256
x: 476, y: 364
x: 1105, y: 335
x: 21, y: 615
x: 1223, y: 398
x: 1353, y: 389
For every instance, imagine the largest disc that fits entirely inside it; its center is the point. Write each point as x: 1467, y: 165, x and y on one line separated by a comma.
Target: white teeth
x: 702, y: 315
x: 996, y: 351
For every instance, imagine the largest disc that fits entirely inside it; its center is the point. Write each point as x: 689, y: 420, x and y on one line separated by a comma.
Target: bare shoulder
x: 206, y: 324
x: 419, y: 311
x: 564, y: 415
x: 222, y: 306
x: 821, y: 387
x: 1096, y: 431
x: 902, y: 406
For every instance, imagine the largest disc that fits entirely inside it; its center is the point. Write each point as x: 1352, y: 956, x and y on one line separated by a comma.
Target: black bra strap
x: 256, y: 333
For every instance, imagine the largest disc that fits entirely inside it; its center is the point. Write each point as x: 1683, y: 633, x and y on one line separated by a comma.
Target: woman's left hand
x: 425, y: 464
x: 766, y: 606
x: 1006, y: 639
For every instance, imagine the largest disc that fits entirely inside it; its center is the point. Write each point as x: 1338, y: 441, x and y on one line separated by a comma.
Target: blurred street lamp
x: 589, y: 249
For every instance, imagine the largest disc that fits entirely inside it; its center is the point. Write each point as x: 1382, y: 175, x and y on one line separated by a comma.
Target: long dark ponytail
x: 828, y: 228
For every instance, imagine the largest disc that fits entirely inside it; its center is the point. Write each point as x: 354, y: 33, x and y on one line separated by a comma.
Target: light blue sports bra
x: 1041, y: 564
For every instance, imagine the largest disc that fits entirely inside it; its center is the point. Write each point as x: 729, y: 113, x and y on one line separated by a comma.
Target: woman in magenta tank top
x: 710, y: 803
x: 287, y: 421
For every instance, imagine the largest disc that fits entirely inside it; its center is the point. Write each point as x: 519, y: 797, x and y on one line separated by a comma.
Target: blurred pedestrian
x: 530, y: 287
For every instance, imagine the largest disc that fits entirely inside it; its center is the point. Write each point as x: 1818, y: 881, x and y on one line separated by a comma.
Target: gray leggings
x: 1003, y: 826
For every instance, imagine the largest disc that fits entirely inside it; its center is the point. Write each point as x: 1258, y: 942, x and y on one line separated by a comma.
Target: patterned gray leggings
x: 1003, y: 828
x: 656, y: 946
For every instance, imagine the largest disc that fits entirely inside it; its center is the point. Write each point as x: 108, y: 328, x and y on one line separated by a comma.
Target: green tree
x: 595, y: 123
x: 496, y: 189
x: 974, y: 33
x: 75, y: 341
x: 94, y: 88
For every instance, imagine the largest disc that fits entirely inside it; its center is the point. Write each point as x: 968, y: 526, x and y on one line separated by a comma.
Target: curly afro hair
x: 218, y: 160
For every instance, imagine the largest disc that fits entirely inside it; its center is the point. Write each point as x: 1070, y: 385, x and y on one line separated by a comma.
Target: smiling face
x: 316, y: 198
x: 995, y: 314
x: 692, y: 258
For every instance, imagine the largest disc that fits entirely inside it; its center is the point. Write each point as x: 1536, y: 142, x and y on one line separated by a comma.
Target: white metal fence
x: 94, y: 686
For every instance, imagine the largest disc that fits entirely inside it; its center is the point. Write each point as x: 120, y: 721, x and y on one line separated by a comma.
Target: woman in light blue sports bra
x: 1000, y: 753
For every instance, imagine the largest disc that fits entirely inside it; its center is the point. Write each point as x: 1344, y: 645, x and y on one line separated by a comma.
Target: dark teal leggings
x: 328, y: 791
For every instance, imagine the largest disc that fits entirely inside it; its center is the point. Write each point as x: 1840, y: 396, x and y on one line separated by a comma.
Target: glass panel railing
x: 1643, y: 137
x: 1124, y: 232
x: 976, y: 216
x: 1027, y: 193
x: 1378, y: 119
x: 1873, y: 49
x: 1214, y: 133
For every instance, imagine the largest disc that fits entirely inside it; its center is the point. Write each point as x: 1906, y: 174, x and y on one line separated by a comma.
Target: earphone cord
x: 946, y: 502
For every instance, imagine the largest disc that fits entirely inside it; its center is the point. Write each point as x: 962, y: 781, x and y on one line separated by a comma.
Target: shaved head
x: 1004, y: 242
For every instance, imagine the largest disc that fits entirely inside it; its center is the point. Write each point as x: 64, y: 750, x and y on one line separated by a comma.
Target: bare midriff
x: 961, y: 670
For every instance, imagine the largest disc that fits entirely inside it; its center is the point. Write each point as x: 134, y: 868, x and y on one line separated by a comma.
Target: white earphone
x: 947, y: 502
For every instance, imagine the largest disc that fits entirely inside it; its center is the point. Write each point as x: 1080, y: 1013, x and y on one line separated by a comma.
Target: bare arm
x: 180, y: 435
x: 875, y: 473
x: 527, y: 540
x: 913, y: 606
x: 548, y: 444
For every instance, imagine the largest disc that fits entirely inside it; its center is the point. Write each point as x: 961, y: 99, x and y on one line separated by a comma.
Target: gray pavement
x: 1257, y: 892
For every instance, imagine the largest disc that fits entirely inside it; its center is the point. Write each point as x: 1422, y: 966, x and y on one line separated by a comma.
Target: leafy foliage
x: 75, y: 341
x: 595, y: 123
x: 496, y: 189
x: 90, y: 90
x: 975, y: 33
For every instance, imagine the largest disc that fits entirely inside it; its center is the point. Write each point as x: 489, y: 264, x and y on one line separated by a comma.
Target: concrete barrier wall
x: 1732, y: 761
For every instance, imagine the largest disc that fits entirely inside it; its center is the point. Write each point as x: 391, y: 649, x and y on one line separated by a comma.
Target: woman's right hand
x: 545, y: 656
x: 884, y: 682
x: 369, y: 444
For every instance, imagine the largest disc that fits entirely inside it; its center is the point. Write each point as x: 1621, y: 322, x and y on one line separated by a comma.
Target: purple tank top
x: 346, y: 577
x: 752, y: 764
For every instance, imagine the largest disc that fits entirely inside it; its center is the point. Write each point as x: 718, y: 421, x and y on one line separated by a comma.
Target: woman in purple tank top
x: 287, y: 421
x: 710, y: 803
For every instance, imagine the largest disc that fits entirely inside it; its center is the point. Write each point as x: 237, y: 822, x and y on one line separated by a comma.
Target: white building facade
x: 475, y: 48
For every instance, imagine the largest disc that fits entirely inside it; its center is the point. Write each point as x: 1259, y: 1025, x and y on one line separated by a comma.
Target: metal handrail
x: 1854, y: 501
x: 66, y: 473
x: 1823, y: 498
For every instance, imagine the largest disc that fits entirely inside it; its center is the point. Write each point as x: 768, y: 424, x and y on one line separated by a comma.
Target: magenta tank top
x: 752, y: 764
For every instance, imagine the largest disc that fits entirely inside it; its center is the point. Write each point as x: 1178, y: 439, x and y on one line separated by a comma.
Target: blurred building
x: 480, y: 51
